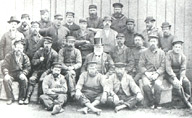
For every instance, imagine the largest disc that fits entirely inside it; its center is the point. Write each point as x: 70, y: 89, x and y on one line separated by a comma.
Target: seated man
x: 54, y: 89
x: 16, y: 67
x: 176, y: 72
x: 152, y: 67
x: 90, y: 88
x: 123, y: 93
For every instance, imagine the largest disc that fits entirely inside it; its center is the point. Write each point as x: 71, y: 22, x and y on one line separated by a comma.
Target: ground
x: 36, y: 111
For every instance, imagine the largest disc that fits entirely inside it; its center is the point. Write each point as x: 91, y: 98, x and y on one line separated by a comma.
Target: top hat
x: 98, y: 41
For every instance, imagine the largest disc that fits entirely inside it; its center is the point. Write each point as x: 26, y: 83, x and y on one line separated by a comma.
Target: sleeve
x: 84, y: 66
x: 26, y: 65
x: 63, y: 86
x: 110, y: 64
x: 130, y: 61
x: 100, y: 25
x: 78, y: 60
x: 61, y: 59
x: 26, y: 46
x: 45, y: 85
x: 142, y: 62
x: 81, y: 81
x: 2, y: 45
x: 133, y: 86
x: 5, y: 64
x: 161, y: 69
x: 43, y: 32
x: 36, y: 58
x: 183, y: 66
x: 169, y: 69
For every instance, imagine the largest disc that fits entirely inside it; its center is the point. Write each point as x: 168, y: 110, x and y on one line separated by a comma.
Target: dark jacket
x: 95, y: 22
x: 72, y: 28
x: 44, y: 24
x: 119, y: 24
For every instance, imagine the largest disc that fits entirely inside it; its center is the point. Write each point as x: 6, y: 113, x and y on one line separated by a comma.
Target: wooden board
x: 160, y: 15
x: 170, y: 7
x: 142, y: 13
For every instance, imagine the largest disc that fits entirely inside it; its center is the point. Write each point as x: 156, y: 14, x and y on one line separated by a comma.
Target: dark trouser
x: 8, y: 86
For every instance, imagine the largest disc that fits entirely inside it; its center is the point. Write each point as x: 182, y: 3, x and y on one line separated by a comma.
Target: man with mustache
x: 42, y: 61
x: 54, y: 90
x: 122, y: 53
x: 16, y: 67
x: 94, y: 22
x: 71, y: 60
x: 150, y: 30
x: 24, y: 28
x: 119, y: 20
x: 45, y: 20
x: 57, y: 32
x: 167, y: 38
x: 107, y: 34
x: 123, y: 91
x: 176, y: 72
x: 152, y: 68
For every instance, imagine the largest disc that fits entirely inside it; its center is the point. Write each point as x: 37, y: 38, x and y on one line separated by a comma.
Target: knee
x: 7, y: 79
x: 146, y: 81
x: 32, y: 80
x: 158, y: 82
x: 43, y: 97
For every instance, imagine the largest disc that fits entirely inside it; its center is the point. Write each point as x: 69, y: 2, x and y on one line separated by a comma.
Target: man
x: 24, y: 28
x: 167, y: 38
x: 16, y: 67
x: 124, y: 93
x: 119, y: 20
x: 34, y: 41
x: 150, y: 30
x: 122, y: 53
x: 152, y: 68
x: 94, y: 23
x: 71, y: 61
x: 9, y: 37
x: 104, y: 61
x: 176, y: 72
x: 108, y: 35
x: 84, y: 38
x: 57, y: 32
x: 129, y: 33
x: 136, y: 52
x: 45, y: 20
x: 54, y: 90
x: 42, y: 61
x: 90, y: 89
x: 70, y: 22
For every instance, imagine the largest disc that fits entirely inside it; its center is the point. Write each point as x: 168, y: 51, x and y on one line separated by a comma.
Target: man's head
x: 83, y: 23
x: 130, y: 24
x: 47, y: 43
x: 92, y: 68
x: 150, y: 21
x: 92, y: 11
x: 35, y: 27
x: 177, y: 45
x: 120, y: 69
x: 120, y: 39
x: 70, y: 42
x: 98, y: 46
x: 138, y: 40
x: 107, y: 21
x: 25, y: 19
x: 13, y: 23
x: 70, y: 17
x: 44, y: 15
x: 153, y: 42
x: 117, y: 7
x: 18, y: 47
x: 58, y: 19
x: 166, y: 28
x: 56, y: 69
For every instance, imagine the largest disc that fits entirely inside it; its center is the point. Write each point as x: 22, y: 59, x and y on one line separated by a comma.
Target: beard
x: 55, y: 75
x: 138, y: 45
x: 120, y: 44
x: 119, y: 75
x: 18, y: 53
x: 69, y: 47
x: 117, y: 15
x: 93, y: 15
x: 92, y: 74
x: 34, y: 33
x: 166, y: 34
x: 153, y: 47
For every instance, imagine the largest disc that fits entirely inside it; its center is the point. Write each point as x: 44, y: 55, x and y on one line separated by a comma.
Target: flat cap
x: 120, y: 35
x: 43, y: 11
x: 92, y: 7
x: 57, y: 65
x: 13, y: 19
x: 58, y: 16
x: 153, y: 37
x: 165, y: 24
x: 25, y: 16
x: 71, y: 38
x: 70, y: 13
x: 82, y: 20
x: 35, y: 22
x: 117, y: 5
x: 130, y: 20
x: 149, y: 19
x: 48, y: 39
x: 176, y: 40
x: 120, y: 65
x: 139, y: 35
x: 107, y: 18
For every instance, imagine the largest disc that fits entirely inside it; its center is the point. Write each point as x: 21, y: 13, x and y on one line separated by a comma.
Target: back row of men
x: 105, y: 57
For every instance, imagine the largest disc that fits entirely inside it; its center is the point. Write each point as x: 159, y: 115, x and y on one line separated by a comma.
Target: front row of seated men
x: 103, y: 79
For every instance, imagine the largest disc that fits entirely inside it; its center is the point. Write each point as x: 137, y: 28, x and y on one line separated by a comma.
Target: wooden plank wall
x: 177, y: 12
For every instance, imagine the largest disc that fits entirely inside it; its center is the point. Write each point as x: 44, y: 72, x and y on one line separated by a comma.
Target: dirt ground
x: 37, y: 111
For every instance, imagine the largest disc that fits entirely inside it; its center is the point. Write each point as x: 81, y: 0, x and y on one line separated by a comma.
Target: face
x: 107, y: 23
x: 119, y: 72
x: 69, y: 18
x: 56, y: 71
x: 120, y: 41
x: 35, y: 28
x: 149, y: 25
x: 92, y: 70
x: 18, y: 48
x: 70, y: 44
x: 92, y: 11
x: 117, y: 10
x: 153, y: 44
x: 138, y: 41
x: 83, y: 25
x: 177, y: 48
x: 45, y: 16
x: 13, y: 26
x: 130, y: 26
x: 166, y: 31
x: 47, y: 45
x: 58, y: 22
x: 98, y: 49
x: 25, y: 21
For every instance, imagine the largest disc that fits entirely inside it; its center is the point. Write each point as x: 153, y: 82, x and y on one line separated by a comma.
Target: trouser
x: 7, y: 81
x: 85, y: 98
x: 50, y: 100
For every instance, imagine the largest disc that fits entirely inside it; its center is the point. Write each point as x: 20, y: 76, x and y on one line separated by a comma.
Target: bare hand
x: 41, y: 58
x: 139, y: 97
x: 78, y: 94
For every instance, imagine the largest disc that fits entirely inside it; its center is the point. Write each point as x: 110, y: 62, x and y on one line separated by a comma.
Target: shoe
x: 21, y: 102
x: 9, y: 102
x: 26, y: 101
x: 56, y: 109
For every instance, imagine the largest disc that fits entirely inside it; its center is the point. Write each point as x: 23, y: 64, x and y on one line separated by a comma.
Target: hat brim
x: 166, y: 26
x: 13, y: 21
x: 150, y: 20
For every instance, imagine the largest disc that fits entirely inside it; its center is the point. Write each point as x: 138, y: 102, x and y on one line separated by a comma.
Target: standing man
x: 24, y: 28
x: 16, y: 67
x: 57, y: 32
x: 167, y: 38
x: 176, y: 72
x: 123, y: 54
x: 93, y: 21
x: 54, y: 90
x: 119, y: 20
x: 45, y: 20
x: 84, y: 38
x: 150, y: 30
x: 152, y: 67
x: 70, y: 22
x: 6, y: 44
x: 108, y: 35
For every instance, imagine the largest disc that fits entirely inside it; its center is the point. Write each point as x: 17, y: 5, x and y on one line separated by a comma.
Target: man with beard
x: 16, y: 67
x: 107, y: 34
x: 55, y: 90
x: 122, y: 53
x: 45, y: 21
x: 24, y: 28
x: 119, y: 20
x: 152, y: 68
x: 71, y: 60
x: 123, y: 93
x: 137, y: 51
x: 176, y: 72
x: 42, y: 61
x: 57, y: 32
x: 84, y: 38
x: 150, y: 30
x: 6, y: 44
x: 34, y: 41
x: 167, y: 38
x: 70, y: 22
x: 90, y: 89
x: 94, y: 23
x: 104, y: 60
